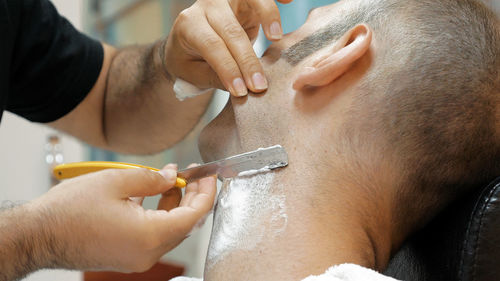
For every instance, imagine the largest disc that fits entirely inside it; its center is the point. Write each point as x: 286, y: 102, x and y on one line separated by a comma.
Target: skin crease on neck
x: 331, y: 220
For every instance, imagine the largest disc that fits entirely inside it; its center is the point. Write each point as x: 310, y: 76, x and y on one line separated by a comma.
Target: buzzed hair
x: 431, y: 101
x: 333, y: 31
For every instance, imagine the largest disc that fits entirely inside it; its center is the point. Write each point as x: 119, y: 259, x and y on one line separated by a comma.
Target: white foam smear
x: 185, y: 90
x: 248, y: 210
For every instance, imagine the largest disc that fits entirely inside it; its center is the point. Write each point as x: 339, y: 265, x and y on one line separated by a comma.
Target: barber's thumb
x: 144, y: 182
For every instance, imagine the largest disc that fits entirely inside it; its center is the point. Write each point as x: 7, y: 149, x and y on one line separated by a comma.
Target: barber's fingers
x: 269, y: 16
x: 205, y: 195
x: 190, y: 191
x: 182, y: 219
x: 172, y: 197
x: 226, y: 25
x: 213, y: 49
x: 190, y: 194
x: 138, y: 182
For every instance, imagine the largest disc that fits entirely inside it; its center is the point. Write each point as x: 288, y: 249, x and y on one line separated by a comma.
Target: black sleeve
x: 53, y: 67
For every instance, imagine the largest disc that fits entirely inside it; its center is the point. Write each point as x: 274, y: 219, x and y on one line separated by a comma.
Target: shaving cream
x: 248, y: 209
x: 185, y: 90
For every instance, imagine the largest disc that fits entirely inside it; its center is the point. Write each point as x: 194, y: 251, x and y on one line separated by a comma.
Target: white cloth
x: 343, y: 272
x: 185, y: 90
x: 349, y: 272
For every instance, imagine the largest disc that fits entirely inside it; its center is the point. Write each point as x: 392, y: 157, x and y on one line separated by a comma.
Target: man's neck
x: 268, y: 228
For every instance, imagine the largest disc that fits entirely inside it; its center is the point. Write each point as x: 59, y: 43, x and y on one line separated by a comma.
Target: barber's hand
x: 95, y: 224
x: 210, y: 44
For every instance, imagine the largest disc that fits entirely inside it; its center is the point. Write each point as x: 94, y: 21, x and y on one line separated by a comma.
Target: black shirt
x: 47, y: 67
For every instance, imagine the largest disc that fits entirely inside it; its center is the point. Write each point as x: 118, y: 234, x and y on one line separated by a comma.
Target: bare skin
x: 133, y: 90
x: 326, y: 225
x: 220, y: 47
x: 350, y: 193
x: 77, y: 225
x: 135, y: 84
x: 90, y: 221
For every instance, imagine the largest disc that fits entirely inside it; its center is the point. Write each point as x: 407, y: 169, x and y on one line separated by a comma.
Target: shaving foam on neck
x: 185, y: 90
x: 248, y: 210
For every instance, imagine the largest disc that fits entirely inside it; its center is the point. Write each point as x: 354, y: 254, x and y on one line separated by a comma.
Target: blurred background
x: 28, y: 151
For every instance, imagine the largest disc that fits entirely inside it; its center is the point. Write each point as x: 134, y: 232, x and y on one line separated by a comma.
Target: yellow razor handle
x: 71, y: 170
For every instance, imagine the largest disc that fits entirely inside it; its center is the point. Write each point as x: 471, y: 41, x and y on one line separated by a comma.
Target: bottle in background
x: 53, y: 156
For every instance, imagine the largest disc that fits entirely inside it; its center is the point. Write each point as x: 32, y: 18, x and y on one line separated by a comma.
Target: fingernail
x: 240, y: 87
x: 259, y: 81
x: 169, y: 174
x: 275, y: 29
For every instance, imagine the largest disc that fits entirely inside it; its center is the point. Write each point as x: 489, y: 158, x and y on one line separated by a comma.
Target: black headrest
x: 461, y: 244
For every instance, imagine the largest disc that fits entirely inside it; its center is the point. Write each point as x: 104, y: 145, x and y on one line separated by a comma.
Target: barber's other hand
x: 94, y: 223
x: 210, y: 44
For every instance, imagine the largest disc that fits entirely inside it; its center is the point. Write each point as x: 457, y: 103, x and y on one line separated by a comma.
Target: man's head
x: 395, y: 102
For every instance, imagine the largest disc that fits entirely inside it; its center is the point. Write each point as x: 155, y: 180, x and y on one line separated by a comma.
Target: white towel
x: 343, y: 272
x: 349, y: 272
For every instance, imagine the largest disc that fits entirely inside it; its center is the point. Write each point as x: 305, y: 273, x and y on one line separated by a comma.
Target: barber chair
x: 460, y: 244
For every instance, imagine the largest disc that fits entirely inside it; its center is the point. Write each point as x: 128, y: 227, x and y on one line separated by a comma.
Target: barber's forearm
x: 25, y: 243
x: 141, y: 112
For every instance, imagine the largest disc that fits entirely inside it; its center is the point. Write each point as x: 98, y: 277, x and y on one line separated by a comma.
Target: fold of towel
x: 342, y: 272
x: 349, y: 272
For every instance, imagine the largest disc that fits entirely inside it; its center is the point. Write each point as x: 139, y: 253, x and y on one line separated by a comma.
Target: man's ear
x: 333, y: 61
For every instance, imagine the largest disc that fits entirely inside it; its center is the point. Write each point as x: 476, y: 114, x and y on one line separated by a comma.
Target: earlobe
x: 330, y: 63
